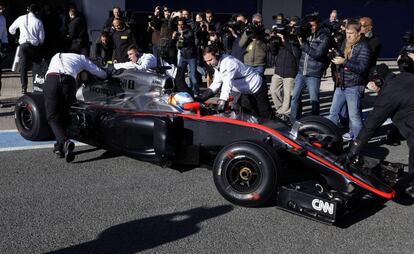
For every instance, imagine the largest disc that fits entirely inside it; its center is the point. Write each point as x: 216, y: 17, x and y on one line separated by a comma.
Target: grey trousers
x: 281, y: 91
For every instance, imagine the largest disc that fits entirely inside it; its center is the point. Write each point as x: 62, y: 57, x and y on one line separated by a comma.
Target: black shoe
x: 24, y: 91
x: 58, y: 151
x: 69, y: 147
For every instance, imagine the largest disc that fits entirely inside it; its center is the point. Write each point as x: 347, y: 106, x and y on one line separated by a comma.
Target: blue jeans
x: 313, y: 84
x: 351, y: 96
x: 192, y: 63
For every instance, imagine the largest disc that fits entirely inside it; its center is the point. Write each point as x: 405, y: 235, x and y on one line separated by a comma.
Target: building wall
x: 274, y: 7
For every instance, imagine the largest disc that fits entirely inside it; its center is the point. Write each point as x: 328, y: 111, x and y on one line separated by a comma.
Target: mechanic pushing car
x: 138, y: 60
x: 395, y: 100
x: 232, y: 75
x: 59, y: 91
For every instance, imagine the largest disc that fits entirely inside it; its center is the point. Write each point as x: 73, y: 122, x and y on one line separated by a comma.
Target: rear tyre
x: 30, y: 118
x: 245, y: 173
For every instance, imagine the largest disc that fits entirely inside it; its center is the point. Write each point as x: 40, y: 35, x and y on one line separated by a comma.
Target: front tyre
x: 245, y: 173
x: 30, y: 118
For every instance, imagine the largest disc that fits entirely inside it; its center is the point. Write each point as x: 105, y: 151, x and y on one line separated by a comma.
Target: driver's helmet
x: 181, y: 98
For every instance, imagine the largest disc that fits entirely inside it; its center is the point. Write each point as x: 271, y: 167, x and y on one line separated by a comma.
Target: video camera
x: 332, y: 53
x: 254, y: 30
x: 405, y: 62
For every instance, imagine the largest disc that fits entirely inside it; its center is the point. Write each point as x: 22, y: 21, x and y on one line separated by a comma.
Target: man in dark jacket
x: 122, y: 38
x: 351, y: 73
x: 78, y: 34
x: 311, y: 67
x: 395, y: 100
x: 373, y: 40
x: 286, y: 49
x: 187, y: 52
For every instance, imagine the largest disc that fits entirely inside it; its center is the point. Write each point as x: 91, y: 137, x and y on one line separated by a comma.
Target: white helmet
x: 181, y: 98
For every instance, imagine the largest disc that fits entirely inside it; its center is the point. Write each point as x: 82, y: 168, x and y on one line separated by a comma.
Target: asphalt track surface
x: 107, y: 203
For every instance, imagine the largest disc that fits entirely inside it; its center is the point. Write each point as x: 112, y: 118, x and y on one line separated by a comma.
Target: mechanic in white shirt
x: 232, y: 75
x: 3, y: 37
x: 59, y: 91
x: 137, y: 61
x: 32, y: 35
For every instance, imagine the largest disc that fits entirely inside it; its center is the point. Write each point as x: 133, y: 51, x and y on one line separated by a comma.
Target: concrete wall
x: 273, y: 7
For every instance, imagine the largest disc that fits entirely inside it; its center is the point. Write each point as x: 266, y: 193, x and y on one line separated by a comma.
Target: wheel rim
x: 243, y: 174
x: 26, y: 118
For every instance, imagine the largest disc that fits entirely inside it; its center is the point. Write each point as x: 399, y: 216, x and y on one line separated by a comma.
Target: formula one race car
x: 254, y: 161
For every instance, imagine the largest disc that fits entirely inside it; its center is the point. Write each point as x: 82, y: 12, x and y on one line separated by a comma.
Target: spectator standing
x: 286, y: 49
x: 122, y: 37
x: 77, y: 34
x: 236, y: 33
x: 212, y: 24
x: 352, y: 68
x: 32, y: 35
x: 154, y: 27
x: 254, y: 41
x: 187, y: 52
x: 374, y: 42
x: 53, y: 37
x: 311, y: 67
x: 116, y: 13
x: 104, y: 48
x: 3, y: 37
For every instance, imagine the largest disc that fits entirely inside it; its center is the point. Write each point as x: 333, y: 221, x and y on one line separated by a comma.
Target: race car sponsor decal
x: 322, y: 206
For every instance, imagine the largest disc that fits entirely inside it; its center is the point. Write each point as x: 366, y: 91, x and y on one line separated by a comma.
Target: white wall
x: 96, y: 13
x: 273, y: 7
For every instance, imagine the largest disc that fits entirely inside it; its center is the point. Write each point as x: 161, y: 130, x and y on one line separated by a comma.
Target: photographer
x: 285, y: 46
x: 154, y: 27
x: 395, y: 100
x: 312, y: 64
x: 253, y: 40
x: 231, y: 34
x: 352, y: 62
x: 187, y: 52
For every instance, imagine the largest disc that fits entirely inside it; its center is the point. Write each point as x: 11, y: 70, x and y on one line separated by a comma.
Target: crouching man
x: 395, y: 100
x: 232, y: 75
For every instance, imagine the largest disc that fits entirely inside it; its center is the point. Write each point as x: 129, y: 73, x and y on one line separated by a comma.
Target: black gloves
x: 352, y: 156
x: 110, y: 70
x: 354, y: 149
x: 205, y: 95
x: 222, y: 106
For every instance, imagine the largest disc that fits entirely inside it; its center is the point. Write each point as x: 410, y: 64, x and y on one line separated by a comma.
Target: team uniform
x: 232, y: 75
x: 395, y: 100
x: 60, y: 90
x: 146, y: 61
x: 32, y: 35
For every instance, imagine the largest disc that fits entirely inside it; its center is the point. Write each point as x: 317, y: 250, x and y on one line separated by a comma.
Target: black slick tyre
x: 30, y: 118
x: 245, y: 173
